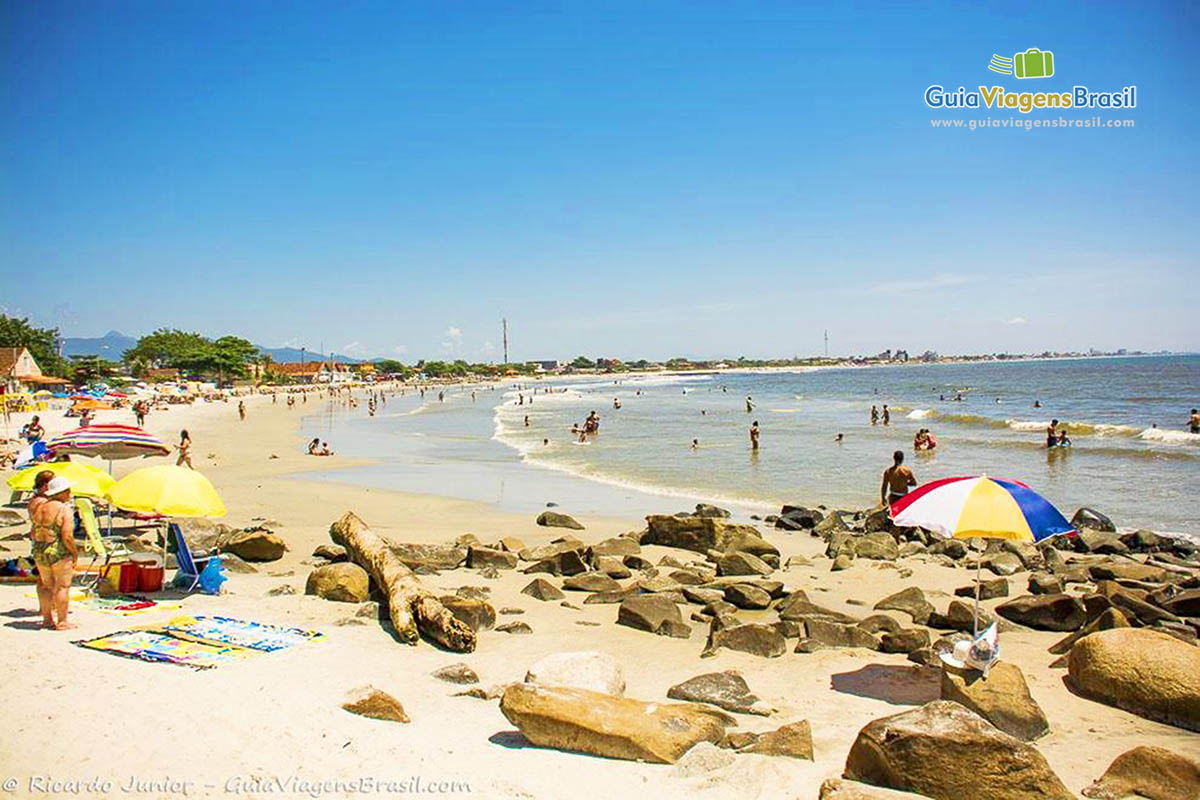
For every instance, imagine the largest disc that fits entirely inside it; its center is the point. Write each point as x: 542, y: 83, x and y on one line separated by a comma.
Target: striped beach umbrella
x: 111, y: 442
x: 990, y: 508
x: 978, y: 506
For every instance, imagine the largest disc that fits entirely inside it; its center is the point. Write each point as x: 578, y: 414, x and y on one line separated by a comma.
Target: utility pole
x: 827, y: 343
x: 504, y: 321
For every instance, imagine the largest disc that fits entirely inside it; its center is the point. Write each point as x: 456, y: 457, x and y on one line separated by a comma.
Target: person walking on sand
x: 242, y: 410
x: 887, y: 415
x: 54, y: 552
x: 34, y: 430
x: 139, y: 413
x: 874, y: 415
x: 185, y: 450
x: 896, y: 480
x: 754, y: 435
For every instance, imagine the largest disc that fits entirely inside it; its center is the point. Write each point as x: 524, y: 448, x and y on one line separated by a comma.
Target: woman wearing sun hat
x: 54, y: 552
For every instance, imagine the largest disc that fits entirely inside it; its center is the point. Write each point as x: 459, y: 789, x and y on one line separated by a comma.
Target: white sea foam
x: 920, y: 413
x: 1169, y: 437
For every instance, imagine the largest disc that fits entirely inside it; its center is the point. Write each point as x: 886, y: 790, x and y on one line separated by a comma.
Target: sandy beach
x: 273, y: 725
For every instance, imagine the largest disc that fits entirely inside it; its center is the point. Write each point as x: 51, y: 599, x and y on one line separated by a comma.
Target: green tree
x: 583, y: 362
x: 168, y: 347
x: 86, y: 369
x: 42, y: 343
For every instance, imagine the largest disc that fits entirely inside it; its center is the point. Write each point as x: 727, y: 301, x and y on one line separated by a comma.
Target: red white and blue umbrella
x: 990, y: 508
x: 109, y: 442
x: 978, y: 506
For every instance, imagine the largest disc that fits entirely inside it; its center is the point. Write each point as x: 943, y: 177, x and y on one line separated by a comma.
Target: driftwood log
x: 413, y: 609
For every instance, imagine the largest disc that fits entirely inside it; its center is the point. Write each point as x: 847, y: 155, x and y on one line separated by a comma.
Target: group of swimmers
x: 887, y: 415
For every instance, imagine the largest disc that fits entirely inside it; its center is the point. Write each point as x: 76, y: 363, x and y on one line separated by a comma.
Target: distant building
x: 19, y: 372
x: 314, y: 372
x: 548, y: 366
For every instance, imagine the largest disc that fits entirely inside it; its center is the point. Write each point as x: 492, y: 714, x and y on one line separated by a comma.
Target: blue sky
x: 630, y: 179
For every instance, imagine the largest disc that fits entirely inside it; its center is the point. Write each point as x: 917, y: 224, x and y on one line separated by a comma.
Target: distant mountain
x: 292, y: 355
x: 111, y: 345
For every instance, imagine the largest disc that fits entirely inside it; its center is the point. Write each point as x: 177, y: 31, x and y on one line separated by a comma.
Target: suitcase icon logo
x: 1033, y: 63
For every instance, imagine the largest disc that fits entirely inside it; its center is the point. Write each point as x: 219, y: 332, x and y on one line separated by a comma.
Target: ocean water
x: 1131, y: 456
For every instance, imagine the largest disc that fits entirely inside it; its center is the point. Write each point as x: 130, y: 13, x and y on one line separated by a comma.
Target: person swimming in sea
x: 1194, y: 422
x: 1063, y: 439
x: 874, y: 415
x: 754, y: 435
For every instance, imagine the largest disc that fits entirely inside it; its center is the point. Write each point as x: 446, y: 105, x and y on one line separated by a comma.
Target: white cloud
x: 1015, y: 321
x: 293, y: 343
x: 354, y: 349
x: 453, y: 342
x: 942, y: 281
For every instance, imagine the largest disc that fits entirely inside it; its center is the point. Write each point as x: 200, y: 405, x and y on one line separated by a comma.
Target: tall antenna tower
x: 504, y: 322
x: 827, y: 343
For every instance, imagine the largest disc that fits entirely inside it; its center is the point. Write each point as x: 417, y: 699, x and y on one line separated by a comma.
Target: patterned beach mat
x: 156, y: 646
x: 257, y: 636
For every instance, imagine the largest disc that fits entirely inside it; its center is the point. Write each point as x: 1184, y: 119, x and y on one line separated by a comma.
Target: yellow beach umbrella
x: 85, y: 479
x: 168, y: 490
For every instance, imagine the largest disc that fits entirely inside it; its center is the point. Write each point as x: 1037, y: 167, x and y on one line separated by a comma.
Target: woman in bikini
x: 185, y: 450
x: 54, y: 552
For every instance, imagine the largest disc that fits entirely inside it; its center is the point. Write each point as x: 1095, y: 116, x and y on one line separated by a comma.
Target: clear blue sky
x: 628, y: 179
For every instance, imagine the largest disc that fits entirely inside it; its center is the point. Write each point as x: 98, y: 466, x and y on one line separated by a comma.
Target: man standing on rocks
x: 896, y: 480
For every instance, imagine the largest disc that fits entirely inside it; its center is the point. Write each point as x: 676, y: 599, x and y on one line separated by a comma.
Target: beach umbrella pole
x: 978, y: 568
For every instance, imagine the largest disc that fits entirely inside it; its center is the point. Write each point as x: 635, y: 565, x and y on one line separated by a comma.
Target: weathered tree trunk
x: 411, y: 606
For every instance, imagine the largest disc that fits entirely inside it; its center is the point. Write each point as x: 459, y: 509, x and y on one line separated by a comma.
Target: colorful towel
x: 122, y: 605
x: 239, y: 633
x: 164, y: 648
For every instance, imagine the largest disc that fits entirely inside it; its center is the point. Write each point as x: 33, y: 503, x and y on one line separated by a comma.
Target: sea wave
x: 1073, y: 428
x: 1169, y: 437
x: 920, y: 413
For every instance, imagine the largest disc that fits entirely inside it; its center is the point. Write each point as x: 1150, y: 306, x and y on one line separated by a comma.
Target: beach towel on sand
x: 148, y: 645
x: 239, y: 633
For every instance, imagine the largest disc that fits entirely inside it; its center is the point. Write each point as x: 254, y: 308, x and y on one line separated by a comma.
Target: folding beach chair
x: 190, y: 566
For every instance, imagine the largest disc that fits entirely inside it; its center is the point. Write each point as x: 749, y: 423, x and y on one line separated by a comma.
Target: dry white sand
x: 272, y: 725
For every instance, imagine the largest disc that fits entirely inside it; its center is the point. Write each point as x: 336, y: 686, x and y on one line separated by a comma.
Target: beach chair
x: 190, y: 566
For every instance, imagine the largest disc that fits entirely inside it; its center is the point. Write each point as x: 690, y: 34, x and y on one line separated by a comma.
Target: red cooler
x: 149, y: 572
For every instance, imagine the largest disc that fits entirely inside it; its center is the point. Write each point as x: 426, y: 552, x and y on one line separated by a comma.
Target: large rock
x: 480, y: 557
x: 478, y: 614
x: 1154, y: 773
x: 739, y: 563
x: 619, y: 546
x: 820, y: 634
x: 948, y: 752
x: 701, y: 534
x: 584, y: 669
x: 375, y: 704
x: 612, y: 727
x: 553, y: 519
x: 563, y: 562
x: 1046, y: 612
x: 911, y: 601
x: 1002, y: 698
x: 1002, y: 563
x: 1092, y: 519
x: 794, y: 741
x: 1184, y: 604
x: 989, y: 589
x: 651, y: 613
x: 1109, y: 618
x: 591, y: 582
x: 743, y: 595
x: 758, y: 640
x: 877, y: 546
x: 797, y: 607
x: 256, y: 545
x: 344, y: 582
x: 431, y: 556
x: 1142, y: 671
x: 542, y: 589
x: 727, y: 690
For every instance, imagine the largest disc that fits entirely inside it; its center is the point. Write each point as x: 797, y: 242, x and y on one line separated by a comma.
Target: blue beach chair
x: 192, y: 568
